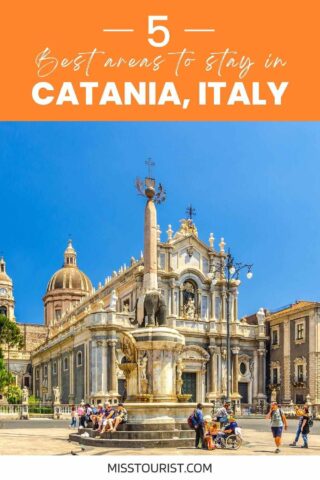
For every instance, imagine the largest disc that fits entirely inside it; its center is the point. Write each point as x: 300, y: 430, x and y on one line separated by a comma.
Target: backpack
x: 310, y: 423
x: 192, y: 420
x: 277, y: 416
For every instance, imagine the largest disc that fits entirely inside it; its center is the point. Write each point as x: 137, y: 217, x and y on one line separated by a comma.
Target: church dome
x: 69, y: 277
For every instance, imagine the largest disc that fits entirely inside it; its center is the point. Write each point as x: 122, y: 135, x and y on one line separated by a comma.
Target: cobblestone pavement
x: 40, y: 437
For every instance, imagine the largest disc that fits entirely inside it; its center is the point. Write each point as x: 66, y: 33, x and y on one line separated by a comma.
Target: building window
x: 54, y: 368
x: 205, y: 265
x: 57, y: 314
x: 299, y: 399
x: 300, y: 373
x: 300, y: 331
x: 26, y: 381
x: 204, y: 307
x: 162, y: 261
x: 45, y: 371
x: 126, y: 305
x: 243, y: 368
x: 218, y: 308
x: 79, y: 359
x: 275, y: 376
x: 37, y: 373
x: 3, y: 310
x: 65, y: 363
x: 275, y: 336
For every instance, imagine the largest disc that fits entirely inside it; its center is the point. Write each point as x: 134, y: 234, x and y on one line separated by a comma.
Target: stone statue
x: 273, y: 395
x: 251, y: 368
x: 113, y: 300
x: 155, y: 310
x: 190, y: 308
x: 25, y: 395
x: 125, y: 308
x: 179, y: 381
x: 56, y: 395
x: 143, y: 364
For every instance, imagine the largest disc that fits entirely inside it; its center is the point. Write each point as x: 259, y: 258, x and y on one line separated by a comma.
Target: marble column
x: 211, y: 395
x: 261, y: 373
x: 104, y: 369
x: 223, y: 307
x: 113, y: 385
x: 71, y: 376
x: 150, y: 278
x: 235, y: 369
x: 199, y: 299
x: 34, y: 381
x: 181, y: 301
x: 49, y: 380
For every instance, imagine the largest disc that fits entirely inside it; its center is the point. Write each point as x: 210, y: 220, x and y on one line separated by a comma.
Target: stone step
x: 150, y: 427
x: 148, y: 435
x: 133, y: 443
x: 140, y: 434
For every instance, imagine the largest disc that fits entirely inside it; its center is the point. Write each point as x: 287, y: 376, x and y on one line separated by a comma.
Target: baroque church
x: 88, y: 344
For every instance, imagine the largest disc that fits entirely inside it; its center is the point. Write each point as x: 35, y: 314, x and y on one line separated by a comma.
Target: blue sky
x: 256, y: 184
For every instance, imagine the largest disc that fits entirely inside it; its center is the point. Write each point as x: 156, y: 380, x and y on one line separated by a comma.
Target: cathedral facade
x: 88, y: 344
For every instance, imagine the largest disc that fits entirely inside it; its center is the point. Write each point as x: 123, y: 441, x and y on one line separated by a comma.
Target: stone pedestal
x: 157, y: 351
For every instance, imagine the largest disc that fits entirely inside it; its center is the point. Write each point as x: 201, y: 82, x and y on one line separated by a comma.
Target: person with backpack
x: 196, y: 422
x: 305, y: 426
x: 278, y: 422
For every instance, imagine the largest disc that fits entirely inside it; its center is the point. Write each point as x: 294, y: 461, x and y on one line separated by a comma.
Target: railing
x: 10, y: 409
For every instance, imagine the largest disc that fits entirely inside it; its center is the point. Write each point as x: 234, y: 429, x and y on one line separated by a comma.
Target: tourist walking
x: 73, y: 423
x: 305, y: 426
x: 198, y: 424
x: 278, y: 422
x: 299, y: 414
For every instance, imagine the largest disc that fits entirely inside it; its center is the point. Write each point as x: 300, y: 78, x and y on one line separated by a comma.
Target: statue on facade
x: 25, y: 395
x: 113, y: 300
x: 190, y: 308
x: 56, y: 395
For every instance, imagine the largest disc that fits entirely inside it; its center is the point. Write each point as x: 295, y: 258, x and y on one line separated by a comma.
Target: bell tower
x: 6, y: 292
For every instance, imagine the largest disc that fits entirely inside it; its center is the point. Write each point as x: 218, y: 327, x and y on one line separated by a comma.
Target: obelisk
x: 150, y: 277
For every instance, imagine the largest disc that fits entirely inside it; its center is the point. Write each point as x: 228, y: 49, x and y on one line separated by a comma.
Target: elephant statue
x: 155, y: 310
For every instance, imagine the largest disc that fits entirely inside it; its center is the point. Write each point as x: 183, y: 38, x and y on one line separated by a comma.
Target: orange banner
x: 160, y: 60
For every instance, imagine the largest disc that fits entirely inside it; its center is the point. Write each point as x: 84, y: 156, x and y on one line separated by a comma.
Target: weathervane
x: 148, y: 188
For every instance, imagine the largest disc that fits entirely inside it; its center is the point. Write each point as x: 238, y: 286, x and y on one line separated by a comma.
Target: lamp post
x: 229, y: 270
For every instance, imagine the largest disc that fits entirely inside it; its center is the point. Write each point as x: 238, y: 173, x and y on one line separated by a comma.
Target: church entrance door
x: 243, y: 390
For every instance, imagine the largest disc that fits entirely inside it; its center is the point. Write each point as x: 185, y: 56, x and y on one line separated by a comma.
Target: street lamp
x: 229, y: 270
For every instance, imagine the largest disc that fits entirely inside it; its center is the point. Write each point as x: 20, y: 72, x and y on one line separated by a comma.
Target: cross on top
x: 190, y: 211
x: 149, y: 164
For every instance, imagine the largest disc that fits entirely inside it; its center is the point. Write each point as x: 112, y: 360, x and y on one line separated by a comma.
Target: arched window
x: 3, y: 310
x: 79, y: 359
x: 65, y: 363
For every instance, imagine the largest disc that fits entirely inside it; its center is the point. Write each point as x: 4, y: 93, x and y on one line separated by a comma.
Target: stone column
x: 261, y: 397
x: 286, y: 370
x: 71, y: 376
x: 212, y: 305
x: 212, y: 394
x: 150, y: 279
x: 34, y: 381
x: 235, y: 369
x: 223, y: 306
x: 40, y: 382
x: 49, y: 380
x: 104, y: 366
x: 181, y: 301
x: 113, y: 383
x: 199, y: 294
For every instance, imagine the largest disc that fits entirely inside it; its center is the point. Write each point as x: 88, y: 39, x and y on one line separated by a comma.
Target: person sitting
x: 229, y: 429
x: 121, y: 416
x: 107, y: 418
x: 96, y: 416
x: 210, y: 432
